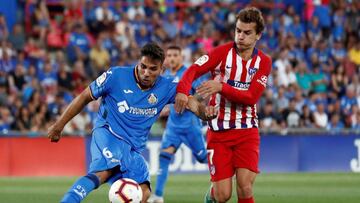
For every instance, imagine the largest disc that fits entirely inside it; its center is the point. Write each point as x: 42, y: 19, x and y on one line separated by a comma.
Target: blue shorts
x: 191, y: 137
x: 108, y: 151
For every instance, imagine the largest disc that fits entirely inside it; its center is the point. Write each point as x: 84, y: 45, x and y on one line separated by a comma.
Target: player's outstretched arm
x: 200, y: 110
x: 74, y: 108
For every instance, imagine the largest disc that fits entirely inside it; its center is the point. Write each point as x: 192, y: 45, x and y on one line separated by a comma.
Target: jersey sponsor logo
x: 123, y: 107
x: 238, y: 84
x: 152, y: 99
x: 150, y: 112
x: 202, y: 60
x: 128, y: 91
x: 252, y: 70
x: 262, y: 80
x: 101, y: 79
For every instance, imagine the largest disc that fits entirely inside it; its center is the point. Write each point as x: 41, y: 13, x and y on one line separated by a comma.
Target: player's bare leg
x: 245, y: 180
x: 146, y: 192
x: 222, y: 190
x: 103, y: 175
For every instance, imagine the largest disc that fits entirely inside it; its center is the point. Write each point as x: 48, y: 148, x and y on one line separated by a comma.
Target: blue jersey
x: 187, y: 118
x: 126, y: 109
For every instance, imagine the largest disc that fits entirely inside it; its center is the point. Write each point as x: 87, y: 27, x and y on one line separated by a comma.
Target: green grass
x: 269, y: 188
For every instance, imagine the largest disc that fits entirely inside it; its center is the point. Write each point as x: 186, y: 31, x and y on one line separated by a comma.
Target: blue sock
x: 81, y: 188
x: 164, y: 159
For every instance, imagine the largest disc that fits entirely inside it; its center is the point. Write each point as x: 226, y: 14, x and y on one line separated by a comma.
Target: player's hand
x: 208, y: 88
x: 210, y: 112
x: 54, y: 133
x: 181, y: 101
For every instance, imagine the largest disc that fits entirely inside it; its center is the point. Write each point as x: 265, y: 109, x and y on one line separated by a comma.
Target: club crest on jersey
x: 152, y: 99
x: 252, y: 71
x: 203, y: 59
x: 100, y: 80
x: 212, y: 169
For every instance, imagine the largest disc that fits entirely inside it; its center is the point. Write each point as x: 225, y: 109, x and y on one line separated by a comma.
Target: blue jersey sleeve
x: 198, y: 82
x: 102, y: 84
x: 172, y: 91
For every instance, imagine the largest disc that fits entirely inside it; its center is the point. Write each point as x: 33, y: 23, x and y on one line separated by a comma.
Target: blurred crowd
x: 56, y: 48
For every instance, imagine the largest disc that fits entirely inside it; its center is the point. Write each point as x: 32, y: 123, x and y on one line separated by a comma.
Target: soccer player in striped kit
x: 239, y: 76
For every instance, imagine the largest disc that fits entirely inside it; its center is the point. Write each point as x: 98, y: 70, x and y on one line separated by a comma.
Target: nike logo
x: 128, y: 91
x: 228, y: 67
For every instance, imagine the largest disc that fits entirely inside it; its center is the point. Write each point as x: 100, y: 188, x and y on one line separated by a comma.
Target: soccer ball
x: 125, y: 190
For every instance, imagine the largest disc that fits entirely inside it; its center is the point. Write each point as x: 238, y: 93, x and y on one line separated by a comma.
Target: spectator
x: 306, y: 118
x: 17, y: 37
x: 4, y: 31
x: 354, y: 53
x: 40, y: 20
x: 291, y: 116
x: 268, y: 118
x: 320, y: 116
x: 99, y: 57
x: 303, y: 78
x: 335, y: 125
x: 23, y: 121
x: 319, y: 81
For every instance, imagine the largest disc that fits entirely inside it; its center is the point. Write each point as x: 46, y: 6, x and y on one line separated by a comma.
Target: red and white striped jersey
x: 243, y: 83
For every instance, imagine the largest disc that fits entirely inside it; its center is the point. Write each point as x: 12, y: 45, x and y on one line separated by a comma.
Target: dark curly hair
x: 153, y: 51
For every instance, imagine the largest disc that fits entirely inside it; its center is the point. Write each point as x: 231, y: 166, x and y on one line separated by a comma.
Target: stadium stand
x: 51, y: 50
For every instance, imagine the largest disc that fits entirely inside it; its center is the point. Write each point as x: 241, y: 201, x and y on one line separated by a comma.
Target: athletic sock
x: 164, y: 159
x: 81, y: 188
x: 248, y: 200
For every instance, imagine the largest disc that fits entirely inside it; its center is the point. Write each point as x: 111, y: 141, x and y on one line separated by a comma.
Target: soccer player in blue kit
x: 180, y: 128
x: 132, y: 99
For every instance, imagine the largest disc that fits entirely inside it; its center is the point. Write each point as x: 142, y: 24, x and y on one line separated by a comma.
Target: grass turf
x: 269, y: 188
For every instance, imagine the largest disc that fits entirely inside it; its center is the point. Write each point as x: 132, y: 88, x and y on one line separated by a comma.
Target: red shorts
x: 232, y: 149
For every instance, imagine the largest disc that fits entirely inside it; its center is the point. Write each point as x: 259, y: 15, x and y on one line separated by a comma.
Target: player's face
x: 148, y: 70
x: 173, y: 58
x: 245, y: 35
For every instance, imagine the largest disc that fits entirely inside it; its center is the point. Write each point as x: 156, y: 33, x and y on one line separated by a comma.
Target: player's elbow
x: 247, y: 100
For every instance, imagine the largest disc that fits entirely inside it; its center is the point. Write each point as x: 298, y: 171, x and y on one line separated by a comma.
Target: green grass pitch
x: 269, y: 188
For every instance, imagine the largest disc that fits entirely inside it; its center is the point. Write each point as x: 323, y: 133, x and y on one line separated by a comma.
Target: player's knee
x: 222, y: 195
x: 201, y: 159
x: 103, y: 175
x: 245, y: 191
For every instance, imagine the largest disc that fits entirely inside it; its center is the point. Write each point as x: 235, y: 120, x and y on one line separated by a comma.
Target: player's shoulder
x: 163, y: 80
x: 264, y: 56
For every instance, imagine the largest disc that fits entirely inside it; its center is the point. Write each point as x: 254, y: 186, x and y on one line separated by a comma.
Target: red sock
x: 248, y: 200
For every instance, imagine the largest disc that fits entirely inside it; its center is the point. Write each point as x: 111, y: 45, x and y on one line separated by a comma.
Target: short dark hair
x: 153, y: 51
x: 252, y: 15
x: 174, y: 47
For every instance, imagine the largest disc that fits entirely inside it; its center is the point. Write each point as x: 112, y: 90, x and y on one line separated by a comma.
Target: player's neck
x: 245, y: 54
x: 173, y: 70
